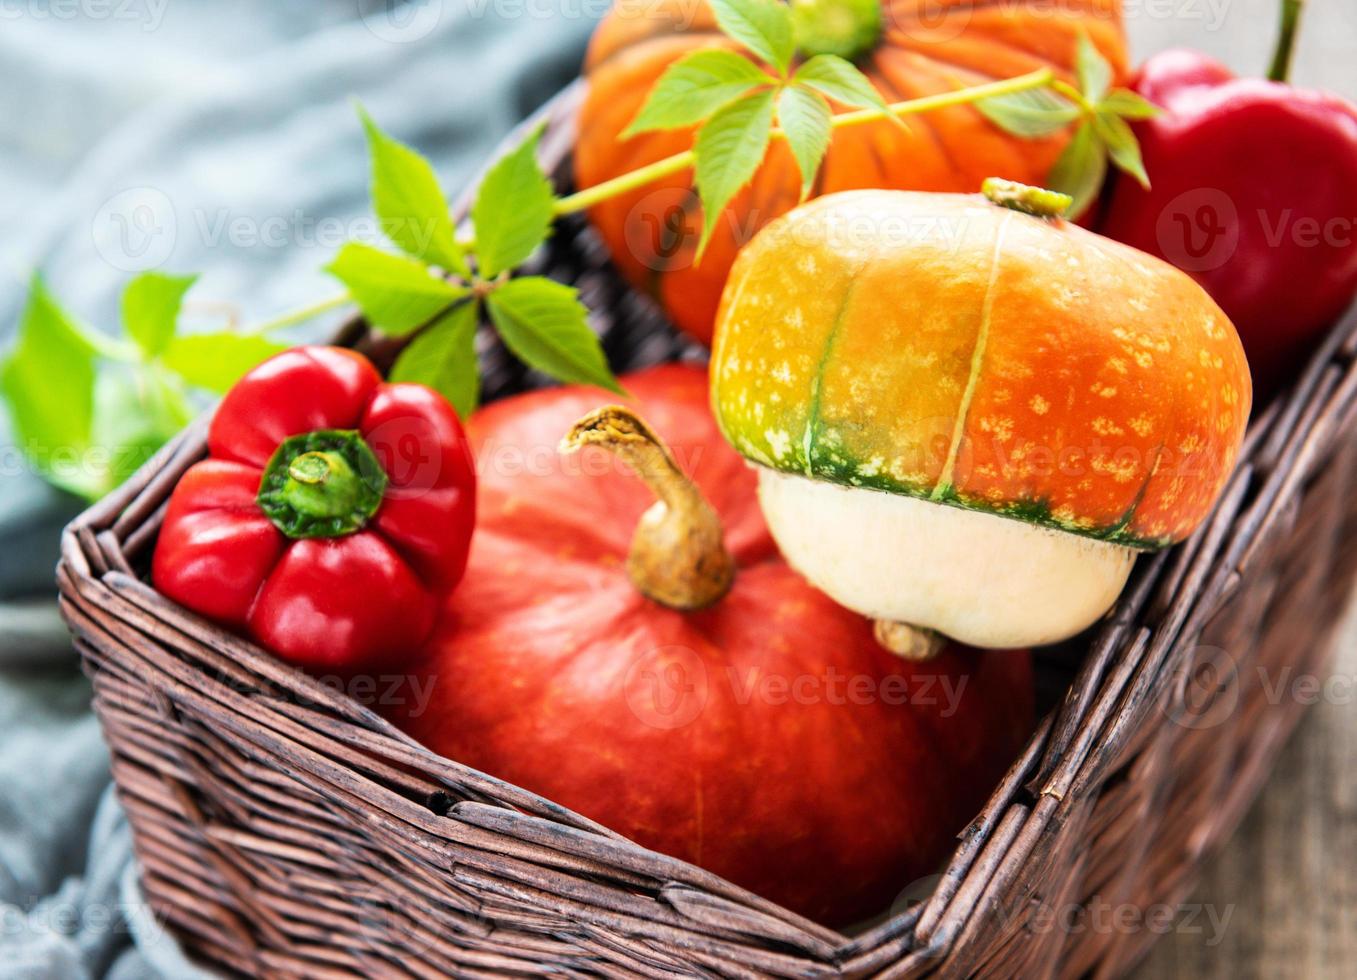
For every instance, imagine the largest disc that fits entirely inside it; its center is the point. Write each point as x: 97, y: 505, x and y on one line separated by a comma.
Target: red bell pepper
x: 1254, y: 195
x: 331, y: 517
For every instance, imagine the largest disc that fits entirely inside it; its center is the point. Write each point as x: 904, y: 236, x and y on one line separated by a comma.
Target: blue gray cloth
x: 207, y: 137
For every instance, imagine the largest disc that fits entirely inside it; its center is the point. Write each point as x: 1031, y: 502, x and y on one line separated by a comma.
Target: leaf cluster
x: 439, y: 288
x: 744, y: 96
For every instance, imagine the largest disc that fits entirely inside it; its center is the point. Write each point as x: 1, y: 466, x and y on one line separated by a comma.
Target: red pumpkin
x: 925, y: 47
x: 766, y: 737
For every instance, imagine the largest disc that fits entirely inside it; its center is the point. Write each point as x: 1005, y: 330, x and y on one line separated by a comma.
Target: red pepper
x: 1255, y: 196
x: 331, y: 517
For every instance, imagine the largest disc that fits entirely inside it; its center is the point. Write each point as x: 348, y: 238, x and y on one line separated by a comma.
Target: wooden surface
x: 1280, y: 902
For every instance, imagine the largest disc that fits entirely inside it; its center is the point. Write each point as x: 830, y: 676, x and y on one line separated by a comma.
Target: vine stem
x: 1286, y: 40
x: 631, y: 180
x: 1074, y: 95
x: 299, y: 315
x: 109, y: 348
x: 587, y: 198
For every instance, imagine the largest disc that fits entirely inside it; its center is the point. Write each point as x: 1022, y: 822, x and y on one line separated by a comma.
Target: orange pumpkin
x: 926, y: 47
x: 551, y: 669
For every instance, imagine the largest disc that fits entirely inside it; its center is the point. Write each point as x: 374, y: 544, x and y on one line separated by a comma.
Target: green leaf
x: 150, y: 309
x: 1031, y: 114
x: 136, y: 412
x: 762, y: 26
x: 544, y: 324
x: 805, y: 116
x: 48, y: 382
x: 694, y: 87
x: 1080, y: 170
x: 409, y: 203
x: 167, y: 404
x: 1115, y: 133
x: 833, y: 76
x: 1129, y: 105
x: 395, y: 293
x: 730, y: 146
x: 216, y: 361
x: 1092, y: 69
x: 513, y: 210
x: 444, y: 358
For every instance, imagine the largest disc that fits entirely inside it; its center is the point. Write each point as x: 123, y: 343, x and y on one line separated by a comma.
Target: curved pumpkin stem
x: 678, y: 553
x: 908, y: 642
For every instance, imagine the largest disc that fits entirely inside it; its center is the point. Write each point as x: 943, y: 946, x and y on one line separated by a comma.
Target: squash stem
x: 847, y: 28
x: 913, y: 643
x: 1036, y: 201
x: 678, y: 555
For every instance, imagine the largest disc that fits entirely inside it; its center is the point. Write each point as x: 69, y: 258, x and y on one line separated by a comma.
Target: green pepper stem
x: 322, y: 484
x: 1286, y: 40
x: 313, y: 468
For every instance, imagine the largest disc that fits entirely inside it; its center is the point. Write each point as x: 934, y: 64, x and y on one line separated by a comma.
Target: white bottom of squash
x: 982, y: 579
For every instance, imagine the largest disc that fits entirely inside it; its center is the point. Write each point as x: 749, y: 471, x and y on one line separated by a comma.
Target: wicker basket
x: 284, y: 829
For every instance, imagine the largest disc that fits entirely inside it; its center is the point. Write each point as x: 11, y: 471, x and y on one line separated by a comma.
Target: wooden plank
x: 1284, y: 889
